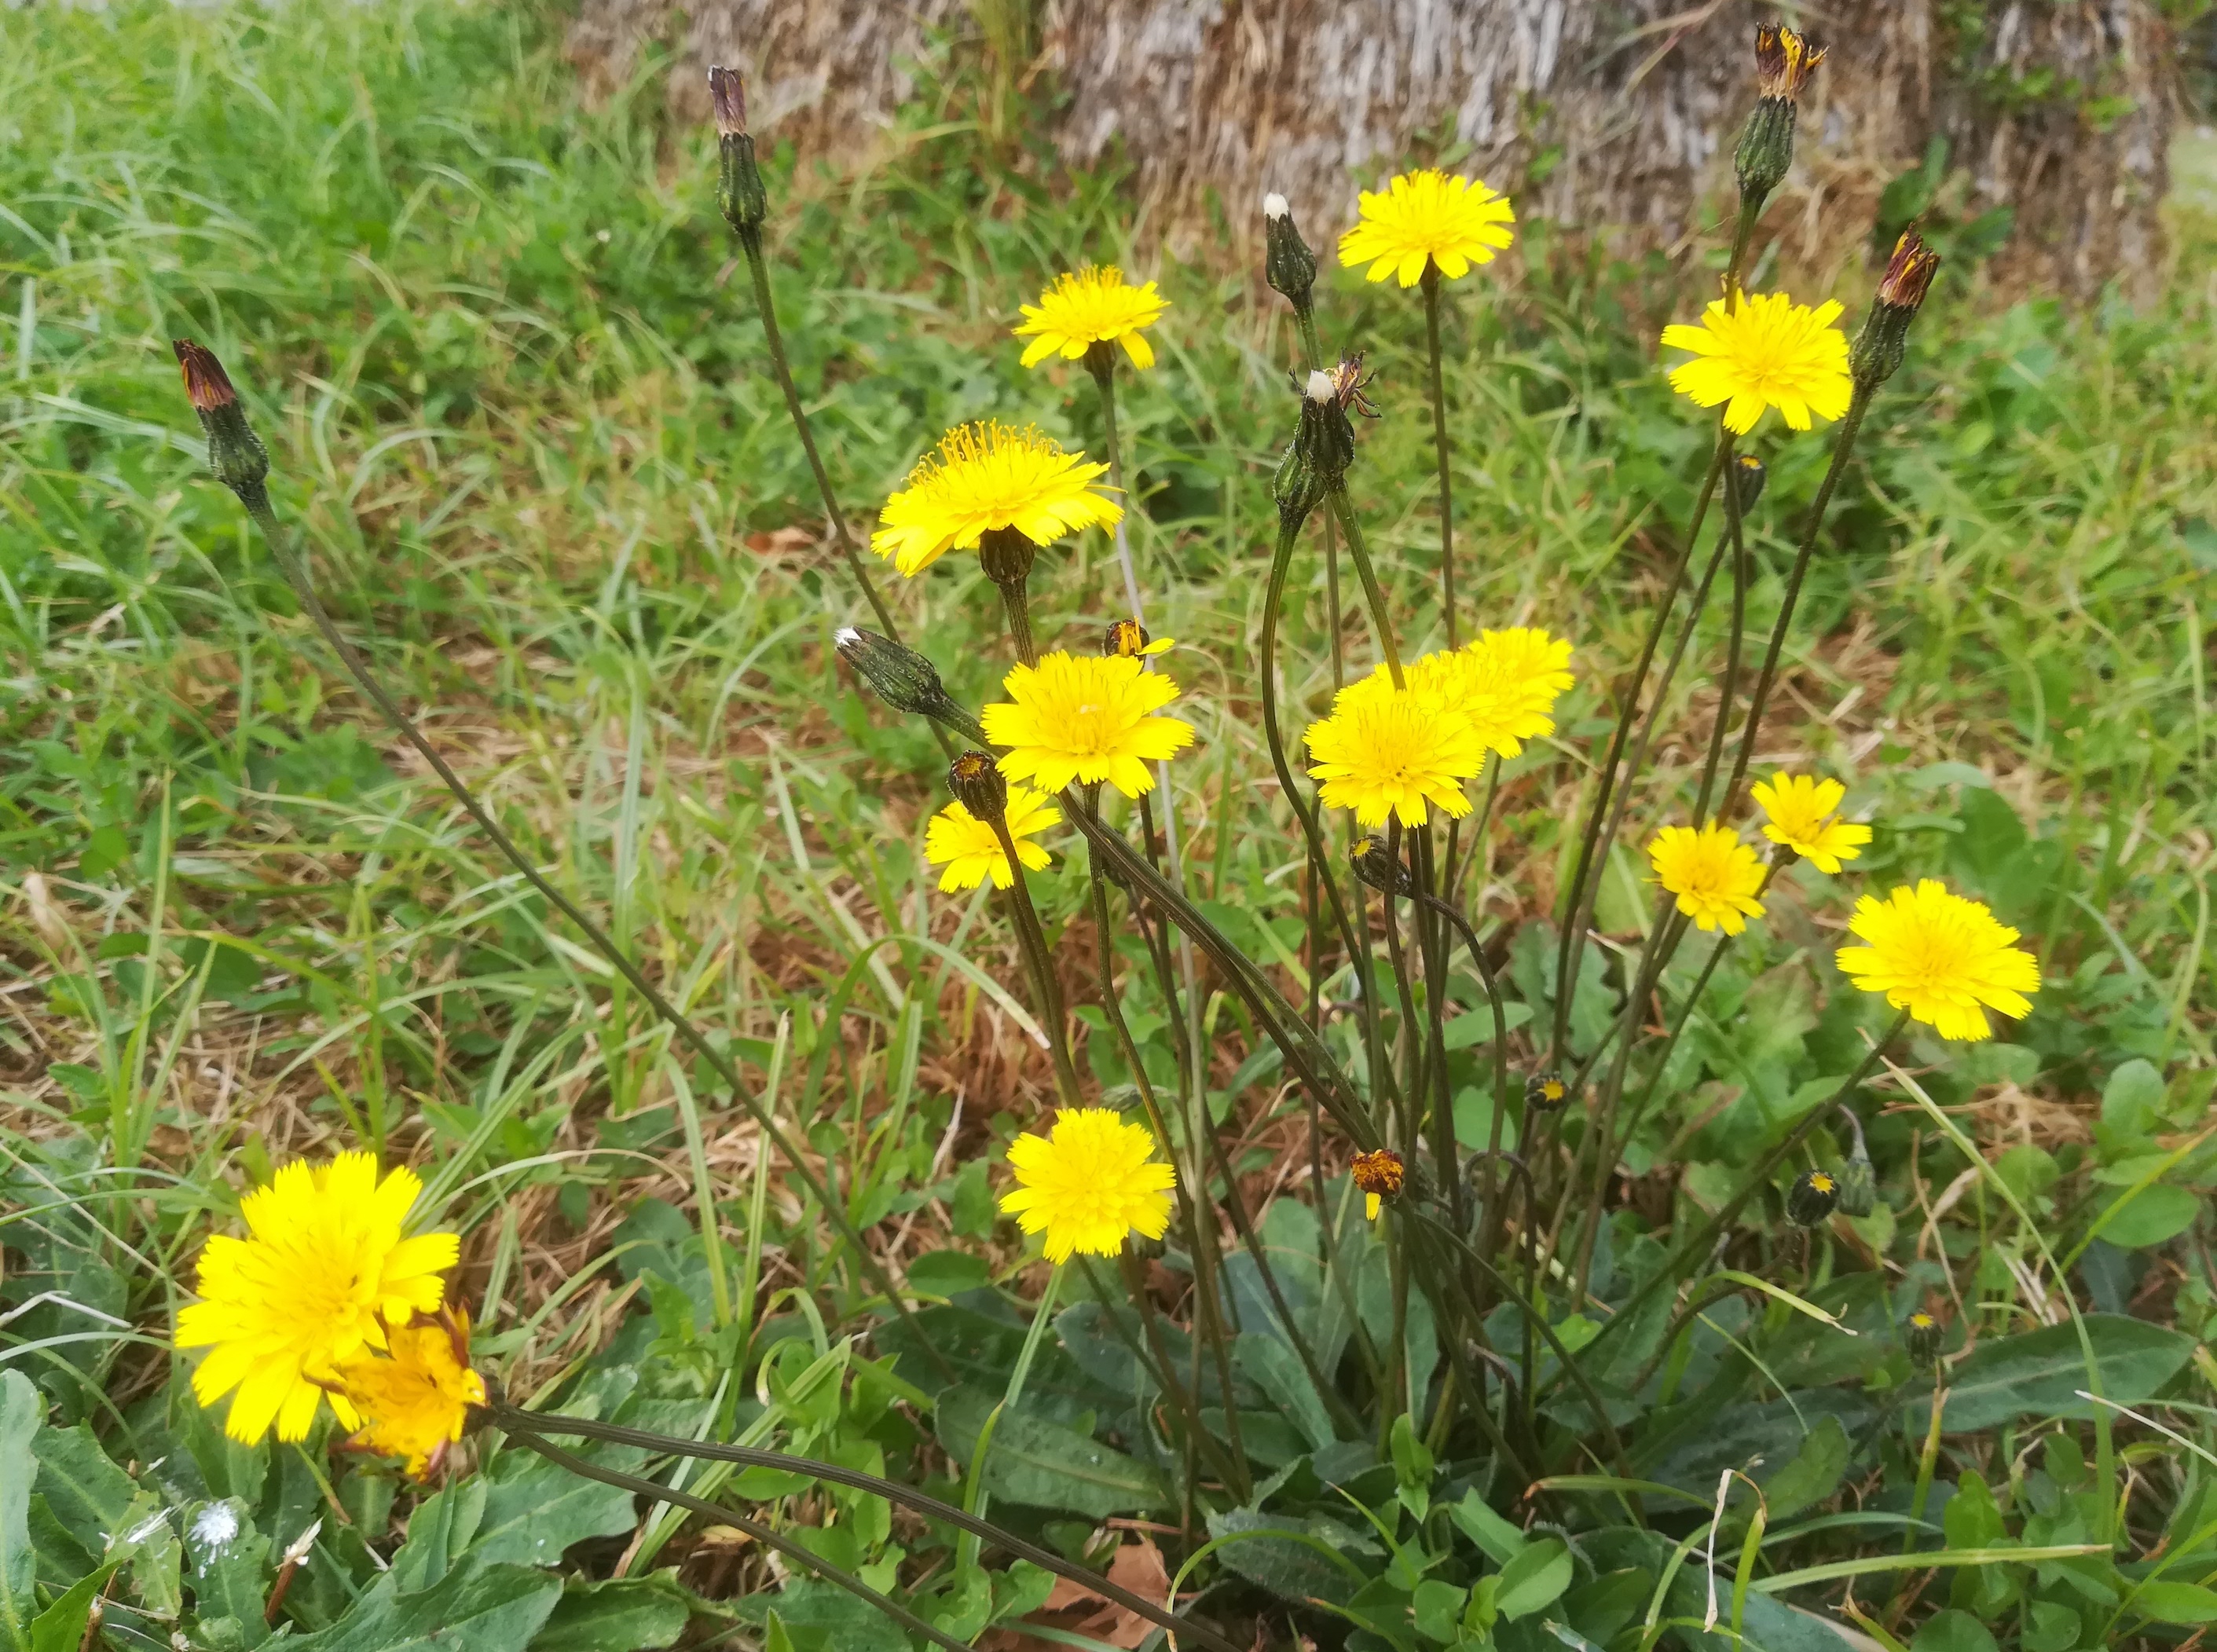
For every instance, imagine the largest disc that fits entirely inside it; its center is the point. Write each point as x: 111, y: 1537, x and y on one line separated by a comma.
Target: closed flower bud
x: 1545, y: 1092
x: 1380, y: 1175
x: 1006, y: 555
x: 1749, y: 475
x: 1380, y: 870
x: 1920, y: 1333
x: 903, y: 678
x: 739, y: 191
x: 235, y: 452
x: 1857, y: 1193
x: 979, y: 786
x: 1784, y: 60
x: 1811, y: 1198
x: 1878, y: 351
x: 1287, y: 263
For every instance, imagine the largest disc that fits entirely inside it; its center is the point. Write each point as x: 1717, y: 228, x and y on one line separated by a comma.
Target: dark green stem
x: 1431, y: 286
x: 1373, y: 594
x: 1033, y: 940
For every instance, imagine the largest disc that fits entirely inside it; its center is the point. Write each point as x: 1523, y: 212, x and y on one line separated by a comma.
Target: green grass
x: 515, y: 392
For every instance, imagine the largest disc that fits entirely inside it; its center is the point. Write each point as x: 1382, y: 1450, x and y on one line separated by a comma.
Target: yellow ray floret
x: 1427, y: 217
x: 413, y: 1404
x: 983, y: 477
x: 322, y: 1274
x: 1386, y: 751
x: 1089, y: 1184
x: 1087, y: 718
x: 1800, y: 811
x: 1762, y: 352
x: 971, y: 850
x: 1712, y: 874
x: 1942, y: 957
x: 1092, y: 305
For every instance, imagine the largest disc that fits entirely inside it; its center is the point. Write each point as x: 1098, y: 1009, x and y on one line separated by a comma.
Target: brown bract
x: 1909, y: 273
x: 728, y: 95
x: 1784, y: 60
x: 205, y: 382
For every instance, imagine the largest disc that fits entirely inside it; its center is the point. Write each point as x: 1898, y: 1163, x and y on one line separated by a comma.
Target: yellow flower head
x: 412, y: 1405
x: 1424, y: 217
x: 1511, y: 680
x: 1799, y: 809
x: 1089, y: 1184
x: 1940, y: 957
x: 323, y: 1274
x: 1087, y: 718
x: 987, y: 476
x: 1378, y: 1176
x: 1712, y: 874
x: 1093, y: 305
x: 970, y: 850
x: 1391, y: 751
x: 1764, y: 351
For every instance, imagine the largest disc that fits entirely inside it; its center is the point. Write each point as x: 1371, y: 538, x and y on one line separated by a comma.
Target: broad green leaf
x: 947, y: 1272
x: 2039, y: 1373
x: 1813, y: 1474
x: 486, y: 1608
x: 1534, y: 1579
x: 86, y: 1491
x: 1046, y: 1464
x: 1475, y: 1028
x: 625, y: 1614
x: 2155, y: 1215
x: 1279, y: 1554
x: 1278, y: 1371
x: 229, y: 1565
x: 2178, y: 1603
x: 2133, y: 1098
x: 60, y: 1627
x: 1501, y: 1541
x: 1953, y: 1631
x: 982, y: 1351
x: 534, y: 1514
x: 22, y: 1408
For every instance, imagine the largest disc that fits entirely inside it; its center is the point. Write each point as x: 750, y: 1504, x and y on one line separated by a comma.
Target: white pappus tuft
x: 845, y: 635
x: 214, y: 1526
x: 1274, y: 206
x: 1320, y: 387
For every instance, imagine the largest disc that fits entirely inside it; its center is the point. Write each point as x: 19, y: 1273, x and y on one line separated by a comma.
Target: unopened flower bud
x: 1749, y: 475
x: 1381, y: 871
x: 739, y: 191
x: 1006, y: 555
x: 235, y: 452
x: 976, y: 780
x: 1811, y: 1198
x: 1878, y: 348
x: 1545, y: 1092
x: 1287, y: 263
x: 1380, y: 1175
x: 1920, y: 1333
x: 1858, y: 1192
x: 903, y: 679
x: 1784, y: 60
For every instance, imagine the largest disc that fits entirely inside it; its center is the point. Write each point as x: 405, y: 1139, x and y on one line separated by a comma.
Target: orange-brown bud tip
x: 729, y: 94
x: 1380, y: 1172
x: 1909, y: 273
x: 1784, y: 60
x: 205, y: 382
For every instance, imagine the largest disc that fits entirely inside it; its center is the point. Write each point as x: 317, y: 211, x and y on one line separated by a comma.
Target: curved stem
x: 296, y: 574
x: 1033, y: 938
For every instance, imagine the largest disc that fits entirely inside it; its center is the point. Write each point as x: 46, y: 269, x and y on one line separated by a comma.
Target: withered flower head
x: 1784, y: 60
x: 1909, y: 273
x: 1921, y: 1333
x: 1545, y: 1091
x: 1380, y: 869
x: 979, y: 786
x: 206, y: 381
x: 1750, y: 473
x: 1380, y: 1175
x: 729, y: 94
x: 1125, y: 637
x: 1350, y: 385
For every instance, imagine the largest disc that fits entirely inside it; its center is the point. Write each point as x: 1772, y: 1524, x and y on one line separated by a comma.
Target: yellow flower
x: 1712, y: 874
x: 970, y: 850
x: 1089, y: 717
x: 1766, y: 351
x: 1511, y: 680
x: 1091, y: 306
x: 987, y: 476
x: 1940, y: 957
x: 413, y: 1405
x: 1423, y: 218
x: 1799, y: 807
x: 1378, y: 1176
x: 1089, y: 1184
x: 1387, y: 751
x: 325, y: 1271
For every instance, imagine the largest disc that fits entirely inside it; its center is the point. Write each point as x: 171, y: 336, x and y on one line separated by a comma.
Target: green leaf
x: 2178, y: 1603
x: 2155, y: 1215
x: 533, y: 1515
x: 1046, y: 1464
x: 1953, y: 1631
x: 947, y: 1272
x: 982, y: 1351
x: 86, y: 1491
x: 2039, y: 1372
x: 1500, y: 1541
x: 1813, y: 1474
x: 1465, y: 1031
x: 22, y: 1408
x: 1534, y: 1579
x: 486, y: 1608
x: 623, y: 1615
x: 60, y: 1627
x: 229, y: 1570
x: 1278, y: 1371
x: 1280, y: 1555
x: 2133, y: 1098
